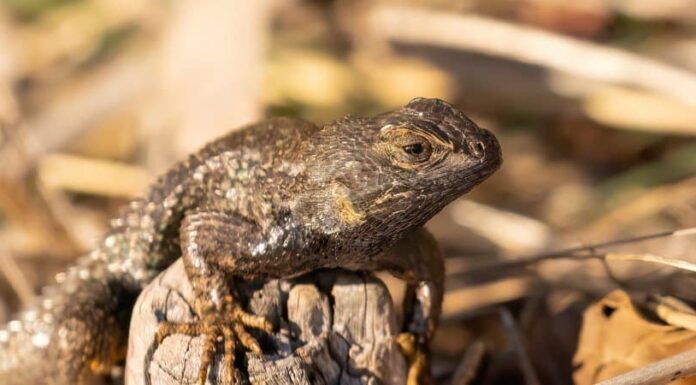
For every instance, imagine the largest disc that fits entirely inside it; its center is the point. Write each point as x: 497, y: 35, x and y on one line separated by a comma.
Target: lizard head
x: 431, y: 147
x: 394, y: 171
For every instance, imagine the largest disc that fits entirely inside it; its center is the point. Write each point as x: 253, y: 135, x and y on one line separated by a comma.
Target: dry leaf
x: 616, y: 338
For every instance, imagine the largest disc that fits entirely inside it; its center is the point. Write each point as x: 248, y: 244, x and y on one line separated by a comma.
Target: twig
x: 574, y: 252
x: 469, y: 365
x: 513, y: 335
x: 514, y: 338
x: 534, y: 46
x: 661, y: 372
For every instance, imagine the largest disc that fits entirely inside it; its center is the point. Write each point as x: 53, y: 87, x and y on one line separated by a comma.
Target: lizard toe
x: 416, y: 356
x: 224, y: 332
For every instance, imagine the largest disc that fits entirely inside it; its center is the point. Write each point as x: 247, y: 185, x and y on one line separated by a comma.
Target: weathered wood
x: 335, y: 328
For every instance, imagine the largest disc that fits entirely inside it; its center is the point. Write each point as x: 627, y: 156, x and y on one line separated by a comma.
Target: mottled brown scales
x: 277, y: 199
x: 347, y: 211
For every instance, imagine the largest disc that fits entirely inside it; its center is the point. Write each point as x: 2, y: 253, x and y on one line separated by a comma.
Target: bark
x: 336, y: 327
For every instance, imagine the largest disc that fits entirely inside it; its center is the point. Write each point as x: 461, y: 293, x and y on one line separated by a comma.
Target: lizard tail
x: 76, y: 328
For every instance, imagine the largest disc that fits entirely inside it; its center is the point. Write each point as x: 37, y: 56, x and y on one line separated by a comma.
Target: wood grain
x: 335, y: 327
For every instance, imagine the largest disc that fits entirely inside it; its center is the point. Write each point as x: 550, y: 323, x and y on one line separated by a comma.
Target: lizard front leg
x: 210, y: 244
x: 417, y: 260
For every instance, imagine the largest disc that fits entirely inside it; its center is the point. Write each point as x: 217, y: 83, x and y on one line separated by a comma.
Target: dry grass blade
x: 533, y: 46
x: 650, y: 258
x: 74, y: 110
x: 643, y: 206
x: 93, y: 176
x: 16, y: 278
x: 673, y: 312
x: 630, y: 109
x: 459, y: 301
x: 508, y: 230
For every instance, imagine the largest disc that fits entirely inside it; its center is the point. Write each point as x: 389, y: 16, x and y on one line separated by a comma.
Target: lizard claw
x: 227, y: 329
x: 416, y: 355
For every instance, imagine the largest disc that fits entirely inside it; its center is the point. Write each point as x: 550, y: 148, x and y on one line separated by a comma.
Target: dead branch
x: 658, y: 373
x: 337, y: 327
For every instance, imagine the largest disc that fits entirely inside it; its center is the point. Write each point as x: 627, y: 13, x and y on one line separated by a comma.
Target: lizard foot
x: 416, y: 355
x: 226, y: 329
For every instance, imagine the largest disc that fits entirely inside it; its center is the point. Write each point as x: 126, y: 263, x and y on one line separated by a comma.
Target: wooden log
x: 335, y: 327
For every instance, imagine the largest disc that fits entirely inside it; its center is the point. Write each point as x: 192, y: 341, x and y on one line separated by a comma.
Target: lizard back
x: 81, y: 320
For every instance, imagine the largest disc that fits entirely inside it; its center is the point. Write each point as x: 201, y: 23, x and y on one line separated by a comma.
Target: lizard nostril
x: 477, y: 149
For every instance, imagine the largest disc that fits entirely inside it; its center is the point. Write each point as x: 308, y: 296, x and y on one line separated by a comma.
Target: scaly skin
x: 274, y: 200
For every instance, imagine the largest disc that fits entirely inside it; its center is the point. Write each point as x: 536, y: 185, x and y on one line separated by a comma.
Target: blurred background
x: 594, y: 102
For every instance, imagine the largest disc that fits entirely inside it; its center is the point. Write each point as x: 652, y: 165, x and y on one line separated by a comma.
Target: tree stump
x: 335, y: 327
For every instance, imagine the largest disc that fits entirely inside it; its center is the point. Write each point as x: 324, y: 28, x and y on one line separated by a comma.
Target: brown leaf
x: 616, y: 338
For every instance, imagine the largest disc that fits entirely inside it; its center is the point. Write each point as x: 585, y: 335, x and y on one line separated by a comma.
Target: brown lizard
x: 276, y: 199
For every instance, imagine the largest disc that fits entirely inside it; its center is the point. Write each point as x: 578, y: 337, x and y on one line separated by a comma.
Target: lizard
x: 275, y: 199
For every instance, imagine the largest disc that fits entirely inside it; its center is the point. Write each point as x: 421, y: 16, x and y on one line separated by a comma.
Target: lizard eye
x: 406, y: 147
x: 418, y: 151
x: 414, y: 149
